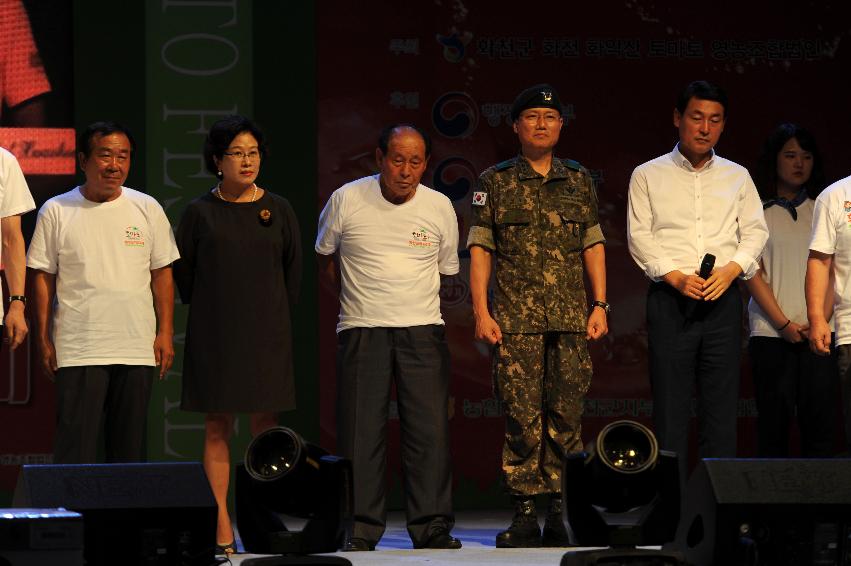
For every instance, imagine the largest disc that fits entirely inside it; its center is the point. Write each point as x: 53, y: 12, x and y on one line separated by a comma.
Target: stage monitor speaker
x: 782, y: 512
x: 40, y: 537
x: 151, y: 514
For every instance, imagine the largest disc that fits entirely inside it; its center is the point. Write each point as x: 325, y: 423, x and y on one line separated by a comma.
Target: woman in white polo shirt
x: 789, y: 380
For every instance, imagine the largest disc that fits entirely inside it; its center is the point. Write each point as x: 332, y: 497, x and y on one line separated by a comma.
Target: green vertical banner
x: 198, y: 69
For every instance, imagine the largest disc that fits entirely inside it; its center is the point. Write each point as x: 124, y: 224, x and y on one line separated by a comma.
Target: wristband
x: 603, y: 305
x: 21, y: 298
x: 784, y: 326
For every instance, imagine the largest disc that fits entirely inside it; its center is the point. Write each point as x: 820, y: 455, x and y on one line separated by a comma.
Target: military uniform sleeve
x: 481, y: 224
x: 593, y: 232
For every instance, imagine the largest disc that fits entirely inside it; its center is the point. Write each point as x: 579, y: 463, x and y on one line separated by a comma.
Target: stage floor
x: 476, y: 529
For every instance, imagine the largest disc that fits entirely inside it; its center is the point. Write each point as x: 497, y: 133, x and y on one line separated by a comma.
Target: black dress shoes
x: 442, y: 539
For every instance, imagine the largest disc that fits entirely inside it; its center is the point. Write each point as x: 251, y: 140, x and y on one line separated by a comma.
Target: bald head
x: 393, y: 130
x: 402, y: 157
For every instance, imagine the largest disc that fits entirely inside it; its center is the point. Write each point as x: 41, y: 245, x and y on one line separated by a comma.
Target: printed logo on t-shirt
x: 421, y: 238
x: 133, y: 237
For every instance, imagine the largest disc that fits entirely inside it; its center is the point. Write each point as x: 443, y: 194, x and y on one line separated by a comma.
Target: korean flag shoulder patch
x: 479, y: 198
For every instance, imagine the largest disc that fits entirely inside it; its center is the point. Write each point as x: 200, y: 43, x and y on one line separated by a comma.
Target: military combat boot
x: 555, y: 534
x: 524, y: 531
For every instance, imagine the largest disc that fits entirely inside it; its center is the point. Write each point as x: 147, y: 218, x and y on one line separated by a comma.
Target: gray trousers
x: 87, y: 396
x: 416, y: 360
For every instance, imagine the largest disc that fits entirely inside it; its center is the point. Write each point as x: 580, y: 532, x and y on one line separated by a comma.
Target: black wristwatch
x: 21, y: 298
x: 603, y: 305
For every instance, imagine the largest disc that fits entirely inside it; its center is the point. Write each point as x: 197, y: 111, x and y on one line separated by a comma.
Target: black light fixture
x: 622, y: 492
x: 285, y: 475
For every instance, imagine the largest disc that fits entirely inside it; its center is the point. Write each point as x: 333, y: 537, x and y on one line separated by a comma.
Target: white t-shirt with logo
x: 832, y: 235
x: 391, y: 256
x: 785, y: 261
x: 102, y: 255
x: 15, y: 197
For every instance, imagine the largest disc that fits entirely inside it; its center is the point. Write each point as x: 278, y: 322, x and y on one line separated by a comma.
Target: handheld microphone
x: 705, y: 271
x: 706, y: 266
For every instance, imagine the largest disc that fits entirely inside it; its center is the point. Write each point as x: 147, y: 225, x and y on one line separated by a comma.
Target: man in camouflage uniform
x: 538, y: 216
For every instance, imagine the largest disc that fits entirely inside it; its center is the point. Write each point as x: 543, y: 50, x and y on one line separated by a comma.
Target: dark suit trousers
x: 416, y: 359
x: 114, y: 395
x: 694, y: 350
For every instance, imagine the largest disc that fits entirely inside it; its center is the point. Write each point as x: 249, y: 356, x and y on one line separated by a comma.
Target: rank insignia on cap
x: 548, y: 96
x: 479, y: 198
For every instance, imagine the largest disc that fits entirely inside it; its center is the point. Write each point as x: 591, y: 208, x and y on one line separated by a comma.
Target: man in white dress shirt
x: 683, y: 205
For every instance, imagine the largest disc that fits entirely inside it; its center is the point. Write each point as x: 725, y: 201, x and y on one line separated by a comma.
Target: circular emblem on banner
x: 455, y: 115
x: 454, y: 177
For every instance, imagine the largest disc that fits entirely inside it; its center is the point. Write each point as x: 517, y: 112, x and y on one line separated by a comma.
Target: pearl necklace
x: 221, y: 196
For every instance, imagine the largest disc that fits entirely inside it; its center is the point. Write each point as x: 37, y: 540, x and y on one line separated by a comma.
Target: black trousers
x: 844, y: 362
x: 789, y: 379
x: 416, y: 359
x: 694, y: 350
x: 85, y: 395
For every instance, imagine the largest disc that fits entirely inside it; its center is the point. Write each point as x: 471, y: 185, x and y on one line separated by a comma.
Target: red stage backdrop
x: 454, y: 68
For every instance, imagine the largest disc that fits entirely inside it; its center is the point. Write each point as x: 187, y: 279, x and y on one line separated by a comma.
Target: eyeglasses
x: 548, y: 118
x: 252, y: 155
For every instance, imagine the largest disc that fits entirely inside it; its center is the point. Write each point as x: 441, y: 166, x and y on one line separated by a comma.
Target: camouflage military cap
x: 538, y: 96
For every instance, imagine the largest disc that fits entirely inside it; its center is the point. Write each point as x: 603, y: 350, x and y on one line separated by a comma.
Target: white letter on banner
x: 200, y: 72
x: 168, y: 157
x: 202, y: 115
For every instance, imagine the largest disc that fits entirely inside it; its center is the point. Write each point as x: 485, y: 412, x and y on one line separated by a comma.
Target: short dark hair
x: 766, y: 170
x: 388, y: 132
x: 104, y: 128
x: 222, y: 133
x: 702, y: 90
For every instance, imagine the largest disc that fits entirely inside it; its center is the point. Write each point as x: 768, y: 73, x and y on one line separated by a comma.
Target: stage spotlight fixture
x: 622, y: 492
x: 283, y: 475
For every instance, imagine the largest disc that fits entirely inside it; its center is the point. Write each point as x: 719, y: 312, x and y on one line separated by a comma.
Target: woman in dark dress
x: 239, y: 271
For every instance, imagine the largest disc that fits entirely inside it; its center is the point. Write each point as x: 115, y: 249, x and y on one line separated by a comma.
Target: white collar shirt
x: 677, y: 213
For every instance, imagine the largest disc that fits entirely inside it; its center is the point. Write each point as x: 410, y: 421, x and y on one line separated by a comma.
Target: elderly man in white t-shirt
x: 104, y: 253
x: 390, y: 239
x: 830, y: 257
x: 15, y: 200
